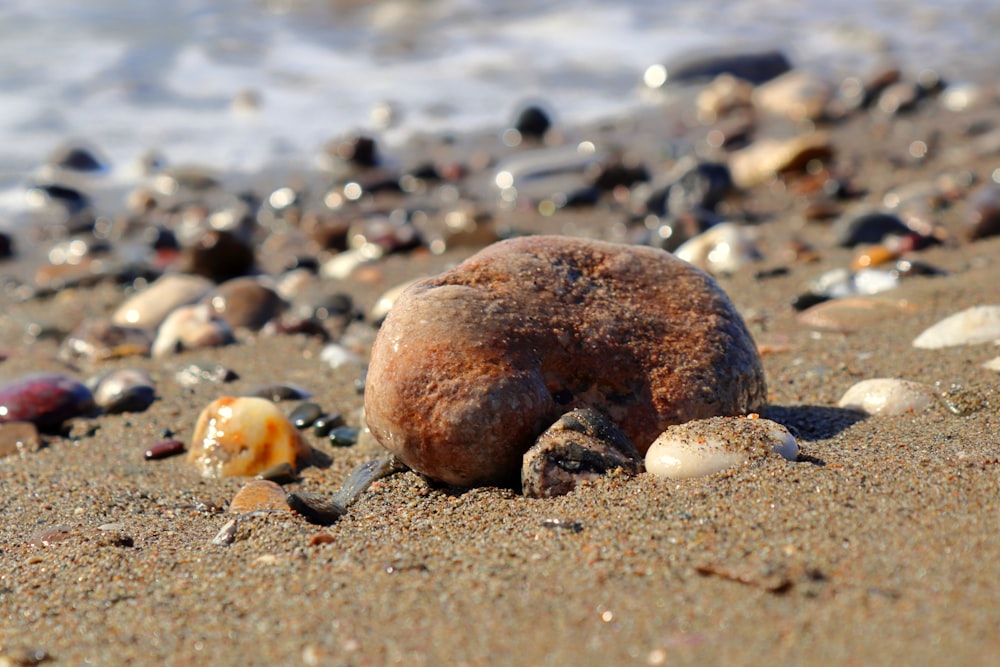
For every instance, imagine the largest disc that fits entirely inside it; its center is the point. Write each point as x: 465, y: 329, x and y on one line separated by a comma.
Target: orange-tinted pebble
x: 320, y: 538
x: 260, y: 494
x: 873, y: 256
x: 244, y: 436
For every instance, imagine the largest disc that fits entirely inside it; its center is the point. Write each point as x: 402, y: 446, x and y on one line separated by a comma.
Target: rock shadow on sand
x: 813, y: 422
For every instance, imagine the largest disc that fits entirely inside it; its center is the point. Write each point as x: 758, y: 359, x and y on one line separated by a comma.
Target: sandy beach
x: 878, y: 545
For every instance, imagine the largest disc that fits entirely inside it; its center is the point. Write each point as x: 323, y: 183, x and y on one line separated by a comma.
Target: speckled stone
x: 472, y: 365
x: 259, y: 494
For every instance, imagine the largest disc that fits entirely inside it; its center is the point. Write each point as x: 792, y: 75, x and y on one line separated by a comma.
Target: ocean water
x: 237, y: 84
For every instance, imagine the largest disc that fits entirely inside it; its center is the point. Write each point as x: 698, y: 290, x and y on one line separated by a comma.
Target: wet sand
x: 878, y: 545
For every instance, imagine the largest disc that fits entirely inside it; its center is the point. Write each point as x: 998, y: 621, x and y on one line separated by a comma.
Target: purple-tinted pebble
x: 44, y: 399
x: 165, y: 449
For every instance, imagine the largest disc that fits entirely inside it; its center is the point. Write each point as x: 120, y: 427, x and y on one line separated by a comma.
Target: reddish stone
x: 472, y: 365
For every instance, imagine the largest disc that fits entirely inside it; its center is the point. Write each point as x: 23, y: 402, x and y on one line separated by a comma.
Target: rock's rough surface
x: 581, y: 446
x: 472, y: 365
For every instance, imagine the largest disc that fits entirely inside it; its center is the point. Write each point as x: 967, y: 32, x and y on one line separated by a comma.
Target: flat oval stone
x: 472, y: 365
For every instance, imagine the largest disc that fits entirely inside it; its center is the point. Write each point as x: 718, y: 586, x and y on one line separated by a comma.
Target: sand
x: 878, y: 545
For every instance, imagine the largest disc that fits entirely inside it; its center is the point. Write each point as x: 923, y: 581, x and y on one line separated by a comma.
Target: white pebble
x: 979, y: 324
x: 147, y: 309
x: 722, y: 249
x: 337, y: 355
x: 707, y: 446
x: 887, y: 396
x: 993, y: 364
x: 190, y: 328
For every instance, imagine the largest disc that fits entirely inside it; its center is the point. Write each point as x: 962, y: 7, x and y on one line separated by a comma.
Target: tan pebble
x: 993, y: 364
x: 148, y: 308
x: 707, y: 446
x: 764, y: 159
x: 244, y: 436
x: 724, y: 94
x: 979, y: 324
x: 798, y: 94
x: 852, y: 313
x: 259, y: 494
x: 887, y: 396
x: 191, y: 328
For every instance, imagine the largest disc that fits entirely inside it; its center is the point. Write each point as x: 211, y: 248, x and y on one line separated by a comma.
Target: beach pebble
x: 851, y: 314
x: 244, y: 436
x: 259, y: 494
x: 44, y: 399
x: 100, y: 340
x: 326, y: 423
x: 799, y: 95
x: 755, y: 67
x: 725, y: 94
x: 190, y: 328
x: 164, y: 449
x: 337, y: 356
x: 305, y: 415
x: 984, y: 212
x: 198, y: 372
x: 887, y: 397
x: 979, y: 324
x: 697, y: 188
x: 532, y: 122
x: 993, y: 364
x: 581, y: 446
x: 344, y: 436
x: 707, y: 446
x: 148, y: 308
x: 245, y: 302
x: 218, y: 255
x: 866, y: 226
x: 126, y: 390
x: 724, y: 248
x: 472, y: 365
x: 766, y: 158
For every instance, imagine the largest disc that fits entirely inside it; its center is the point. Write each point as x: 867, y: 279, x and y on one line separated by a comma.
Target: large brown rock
x: 472, y: 365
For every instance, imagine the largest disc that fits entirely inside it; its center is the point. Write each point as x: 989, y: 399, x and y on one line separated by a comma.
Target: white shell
x: 707, y: 446
x: 887, y: 396
x: 723, y: 248
x: 979, y: 324
x: 993, y: 364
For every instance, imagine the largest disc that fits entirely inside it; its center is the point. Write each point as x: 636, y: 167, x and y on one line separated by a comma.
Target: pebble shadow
x: 811, y: 422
